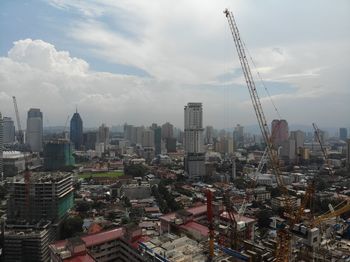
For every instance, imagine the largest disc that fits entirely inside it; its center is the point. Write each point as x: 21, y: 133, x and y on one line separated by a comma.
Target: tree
x: 72, y: 226
x: 135, y: 170
x: 83, y: 206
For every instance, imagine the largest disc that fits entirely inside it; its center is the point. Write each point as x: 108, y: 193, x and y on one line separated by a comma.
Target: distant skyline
x: 141, y: 62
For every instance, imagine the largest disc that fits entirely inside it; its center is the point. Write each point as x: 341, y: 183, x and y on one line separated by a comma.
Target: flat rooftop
x: 42, y: 177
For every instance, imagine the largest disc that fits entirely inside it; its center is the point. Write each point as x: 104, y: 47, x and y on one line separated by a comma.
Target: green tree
x: 82, y: 206
x: 72, y: 226
x: 135, y: 170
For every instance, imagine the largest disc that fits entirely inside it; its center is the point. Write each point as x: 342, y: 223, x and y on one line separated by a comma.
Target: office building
x: 9, y: 130
x: 209, y: 134
x: 343, y: 133
x: 148, y: 138
x: 34, y: 133
x: 348, y: 153
x: 90, y: 140
x: 167, y: 130
x: 279, y: 131
x: 157, y: 139
x: 138, y: 134
x: 299, y: 138
x: 128, y: 132
x: 238, y: 136
x: 76, y: 131
x: 193, y: 141
x: 58, y: 155
x: 103, y: 135
x: 1, y: 144
x: 170, y: 144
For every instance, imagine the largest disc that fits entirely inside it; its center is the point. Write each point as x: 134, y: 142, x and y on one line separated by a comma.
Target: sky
x: 141, y: 62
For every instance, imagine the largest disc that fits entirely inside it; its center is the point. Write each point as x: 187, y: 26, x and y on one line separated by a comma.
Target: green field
x: 107, y: 174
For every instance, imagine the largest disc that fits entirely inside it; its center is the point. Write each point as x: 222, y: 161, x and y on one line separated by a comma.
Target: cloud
x: 56, y: 82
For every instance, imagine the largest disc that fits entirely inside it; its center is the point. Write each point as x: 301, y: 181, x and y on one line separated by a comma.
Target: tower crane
x: 20, y: 131
x: 283, y: 234
x: 324, y: 151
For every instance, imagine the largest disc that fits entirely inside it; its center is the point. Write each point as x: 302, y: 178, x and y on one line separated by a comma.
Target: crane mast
x: 284, y: 237
x: 20, y: 131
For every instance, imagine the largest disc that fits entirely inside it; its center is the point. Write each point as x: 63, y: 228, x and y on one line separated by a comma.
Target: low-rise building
x: 105, y: 246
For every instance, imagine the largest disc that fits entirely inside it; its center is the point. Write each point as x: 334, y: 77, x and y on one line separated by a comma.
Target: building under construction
x: 37, y: 205
x: 58, y: 155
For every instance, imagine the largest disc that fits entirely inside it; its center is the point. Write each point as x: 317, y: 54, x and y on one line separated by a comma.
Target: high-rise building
x: 238, y: 135
x: 1, y: 144
x: 167, y: 130
x: 157, y: 130
x: 76, y: 131
x: 343, y: 133
x: 148, y: 138
x: 46, y: 196
x: 193, y: 128
x: 128, y: 132
x: 58, y: 155
x: 209, y: 134
x: 90, y: 140
x: 348, y: 153
x: 37, y: 205
x: 103, y: 135
x: 170, y: 144
x: 298, y: 137
x: 9, y: 130
x: 279, y: 132
x: 34, y: 133
x: 138, y: 134
x: 193, y: 141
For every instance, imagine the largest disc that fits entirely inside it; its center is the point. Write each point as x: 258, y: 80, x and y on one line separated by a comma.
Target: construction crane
x: 65, y: 128
x: 323, y: 149
x: 283, y: 234
x: 20, y: 137
x: 331, y: 213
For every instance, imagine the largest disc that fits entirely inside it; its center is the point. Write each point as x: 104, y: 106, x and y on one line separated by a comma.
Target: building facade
x: 9, y: 130
x: 343, y: 133
x: 167, y: 130
x: 58, y: 155
x: 193, y: 141
x: 1, y: 144
x: 34, y: 133
x: 76, y: 131
x: 103, y: 135
x: 279, y: 131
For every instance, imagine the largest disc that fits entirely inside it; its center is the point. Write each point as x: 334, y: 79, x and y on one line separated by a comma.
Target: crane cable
x: 261, y: 80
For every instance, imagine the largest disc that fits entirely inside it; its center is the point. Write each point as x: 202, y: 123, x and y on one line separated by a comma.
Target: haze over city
x: 141, y: 62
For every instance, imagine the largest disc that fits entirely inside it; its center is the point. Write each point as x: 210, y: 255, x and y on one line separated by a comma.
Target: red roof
x: 194, y: 226
x: 102, y: 237
x: 198, y: 210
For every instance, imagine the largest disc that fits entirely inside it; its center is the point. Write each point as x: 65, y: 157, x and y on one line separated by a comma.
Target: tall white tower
x: 193, y: 141
x: 193, y: 128
x: 34, y: 132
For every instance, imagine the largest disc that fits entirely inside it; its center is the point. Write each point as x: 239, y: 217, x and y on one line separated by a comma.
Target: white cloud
x: 185, y: 46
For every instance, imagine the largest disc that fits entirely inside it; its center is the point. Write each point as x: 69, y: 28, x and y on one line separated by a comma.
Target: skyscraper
x: 193, y: 141
x: 238, y: 136
x: 103, y: 135
x: 209, y: 130
x: 1, y: 145
x: 343, y: 133
x: 193, y: 128
x: 167, y: 130
x: 34, y: 134
x: 157, y: 139
x: 279, y: 131
x: 76, y: 131
x: 9, y: 130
